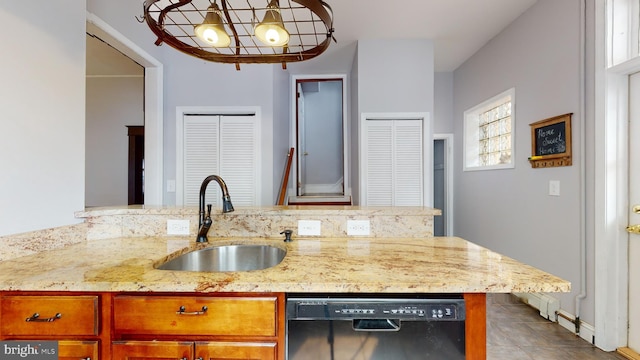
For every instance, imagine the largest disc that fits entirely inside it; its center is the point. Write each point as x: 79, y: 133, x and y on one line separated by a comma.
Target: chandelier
x: 243, y: 31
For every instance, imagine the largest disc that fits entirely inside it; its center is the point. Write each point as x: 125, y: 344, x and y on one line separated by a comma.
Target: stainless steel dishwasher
x: 367, y: 327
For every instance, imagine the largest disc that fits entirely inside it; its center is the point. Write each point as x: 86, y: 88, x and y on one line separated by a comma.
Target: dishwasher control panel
x: 402, y: 309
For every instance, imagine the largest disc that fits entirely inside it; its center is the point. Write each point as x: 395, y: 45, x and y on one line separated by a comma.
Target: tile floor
x: 517, y: 331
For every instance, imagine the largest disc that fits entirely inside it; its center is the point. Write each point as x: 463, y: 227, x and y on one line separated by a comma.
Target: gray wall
x: 509, y: 211
x: 112, y: 104
x: 42, y: 114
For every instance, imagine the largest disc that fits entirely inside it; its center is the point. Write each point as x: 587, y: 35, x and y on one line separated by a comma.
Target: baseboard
x: 587, y: 331
x: 549, y: 308
x: 546, y: 304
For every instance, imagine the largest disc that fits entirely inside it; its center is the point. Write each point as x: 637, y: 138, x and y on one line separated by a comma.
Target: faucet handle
x: 287, y: 235
x: 209, y: 210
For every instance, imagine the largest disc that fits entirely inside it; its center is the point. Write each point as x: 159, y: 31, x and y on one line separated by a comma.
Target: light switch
x: 554, y: 187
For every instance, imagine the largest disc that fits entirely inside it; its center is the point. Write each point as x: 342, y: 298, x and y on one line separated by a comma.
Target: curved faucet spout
x: 205, y: 224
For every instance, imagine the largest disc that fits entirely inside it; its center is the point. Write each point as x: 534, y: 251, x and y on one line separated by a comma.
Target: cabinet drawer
x: 236, y: 350
x: 74, y: 350
x: 56, y: 315
x: 161, y: 315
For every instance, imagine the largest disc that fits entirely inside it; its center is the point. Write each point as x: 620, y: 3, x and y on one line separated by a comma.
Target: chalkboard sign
x: 551, y: 142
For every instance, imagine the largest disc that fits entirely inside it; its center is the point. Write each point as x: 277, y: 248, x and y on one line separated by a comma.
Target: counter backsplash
x: 145, y: 221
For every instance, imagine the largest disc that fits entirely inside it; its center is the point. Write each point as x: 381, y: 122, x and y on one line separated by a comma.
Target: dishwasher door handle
x: 376, y: 325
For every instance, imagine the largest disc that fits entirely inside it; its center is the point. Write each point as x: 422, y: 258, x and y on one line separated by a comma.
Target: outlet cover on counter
x: 309, y: 227
x: 177, y: 227
x: 358, y: 227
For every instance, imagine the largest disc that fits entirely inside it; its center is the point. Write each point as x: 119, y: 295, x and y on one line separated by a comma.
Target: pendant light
x: 212, y: 30
x: 271, y: 30
x: 180, y: 24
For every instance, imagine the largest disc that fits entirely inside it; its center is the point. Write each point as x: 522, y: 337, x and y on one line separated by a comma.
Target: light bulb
x: 210, y: 36
x: 272, y: 36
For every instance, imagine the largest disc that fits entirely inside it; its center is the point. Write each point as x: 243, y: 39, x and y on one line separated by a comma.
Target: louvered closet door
x: 394, y: 163
x: 201, y: 157
x: 238, y: 158
x: 225, y: 146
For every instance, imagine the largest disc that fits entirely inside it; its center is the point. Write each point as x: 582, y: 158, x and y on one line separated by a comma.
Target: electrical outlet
x: 309, y: 227
x: 358, y: 227
x: 177, y: 227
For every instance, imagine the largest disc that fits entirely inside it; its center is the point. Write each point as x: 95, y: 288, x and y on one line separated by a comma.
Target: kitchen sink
x: 227, y: 258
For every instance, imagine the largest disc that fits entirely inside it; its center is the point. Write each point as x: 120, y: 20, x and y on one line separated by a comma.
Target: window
x: 488, y: 140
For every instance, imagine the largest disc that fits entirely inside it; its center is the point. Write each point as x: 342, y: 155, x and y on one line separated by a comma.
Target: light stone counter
x: 449, y: 265
x: 117, y: 249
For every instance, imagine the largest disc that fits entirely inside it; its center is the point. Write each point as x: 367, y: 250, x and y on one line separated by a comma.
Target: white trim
x: 611, y: 194
x: 181, y: 111
x: 427, y: 139
x: 153, y: 105
x: 345, y: 128
x: 471, y: 125
x: 449, y: 164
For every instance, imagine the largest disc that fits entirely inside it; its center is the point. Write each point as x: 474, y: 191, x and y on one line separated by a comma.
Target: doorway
x: 443, y: 183
x: 153, y: 106
x: 319, y: 136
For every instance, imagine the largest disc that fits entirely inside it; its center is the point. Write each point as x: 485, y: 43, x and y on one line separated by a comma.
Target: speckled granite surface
x: 117, y: 249
x: 311, y: 265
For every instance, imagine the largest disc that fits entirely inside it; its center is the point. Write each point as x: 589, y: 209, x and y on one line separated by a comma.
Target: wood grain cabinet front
x: 198, y: 327
x: 205, y: 316
x: 65, y: 316
x: 200, y: 350
x: 75, y: 350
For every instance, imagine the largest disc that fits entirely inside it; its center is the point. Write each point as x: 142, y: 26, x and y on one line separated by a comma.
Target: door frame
x: 153, y: 105
x: 293, y: 141
x: 611, y: 190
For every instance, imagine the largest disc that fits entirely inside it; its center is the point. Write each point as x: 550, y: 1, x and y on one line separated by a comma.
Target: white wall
x: 41, y: 114
x: 112, y: 104
x: 509, y: 211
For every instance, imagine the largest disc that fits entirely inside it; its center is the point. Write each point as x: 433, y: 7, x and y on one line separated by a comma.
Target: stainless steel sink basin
x: 227, y: 258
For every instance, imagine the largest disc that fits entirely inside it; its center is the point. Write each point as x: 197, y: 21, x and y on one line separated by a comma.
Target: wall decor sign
x: 551, y: 142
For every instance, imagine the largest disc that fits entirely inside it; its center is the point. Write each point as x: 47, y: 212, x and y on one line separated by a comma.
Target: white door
x: 393, y: 163
x: 634, y: 213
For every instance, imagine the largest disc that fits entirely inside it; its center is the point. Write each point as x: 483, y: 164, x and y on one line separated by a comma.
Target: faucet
x: 204, y: 223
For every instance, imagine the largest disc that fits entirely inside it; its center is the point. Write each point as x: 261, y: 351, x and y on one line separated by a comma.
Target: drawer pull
x: 36, y: 318
x: 182, y: 311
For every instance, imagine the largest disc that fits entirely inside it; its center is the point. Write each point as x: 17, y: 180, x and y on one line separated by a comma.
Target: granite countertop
x: 354, y: 264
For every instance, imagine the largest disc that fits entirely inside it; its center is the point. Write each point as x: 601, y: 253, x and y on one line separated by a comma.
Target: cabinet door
x: 140, y: 350
x: 74, y: 350
x: 236, y: 350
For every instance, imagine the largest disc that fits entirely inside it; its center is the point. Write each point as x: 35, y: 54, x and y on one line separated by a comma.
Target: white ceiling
x: 458, y: 28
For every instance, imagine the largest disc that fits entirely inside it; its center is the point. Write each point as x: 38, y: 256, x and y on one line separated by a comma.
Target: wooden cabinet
x: 123, y: 350
x: 74, y: 350
x: 226, y: 326
x: 72, y: 320
x: 163, y: 326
